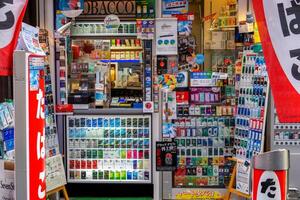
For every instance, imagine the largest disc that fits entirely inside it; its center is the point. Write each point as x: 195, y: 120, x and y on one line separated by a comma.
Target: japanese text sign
x: 36, y: 137
x: 279, y: 27
x: 11, y: 16
x: 269, y: 185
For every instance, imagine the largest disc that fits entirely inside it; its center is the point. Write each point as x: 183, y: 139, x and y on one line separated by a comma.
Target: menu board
x: 109, y: 148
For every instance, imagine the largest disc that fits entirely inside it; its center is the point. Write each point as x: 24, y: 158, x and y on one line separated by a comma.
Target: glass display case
x: 109, y: 148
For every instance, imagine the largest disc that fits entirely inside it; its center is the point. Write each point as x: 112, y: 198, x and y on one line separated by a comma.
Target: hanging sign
x: 279, y: 28
x: 11, y: 16
x: 94, y: 8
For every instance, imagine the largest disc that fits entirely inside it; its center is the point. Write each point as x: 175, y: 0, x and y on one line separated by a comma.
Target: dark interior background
x: 6, y: 82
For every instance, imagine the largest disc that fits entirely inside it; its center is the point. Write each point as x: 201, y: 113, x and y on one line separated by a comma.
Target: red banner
x: 12, y: 11
x: 279, y: 29
x: 37, y: 152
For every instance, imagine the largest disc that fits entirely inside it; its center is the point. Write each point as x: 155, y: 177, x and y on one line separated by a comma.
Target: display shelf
x: 222, y: 50
x: 121, y: 154
x: 225, y: 17
x: 224, y: 28
x: 125, y: 48
x: 104, y: 34
x: 121, y: 61
x: 127, y: 88
x: 98, y: 29
x: 109, y: 111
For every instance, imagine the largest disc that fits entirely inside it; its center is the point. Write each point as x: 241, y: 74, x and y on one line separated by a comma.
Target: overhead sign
x: 11, y: 16
x: 95, y: 8
x: 279, y: 28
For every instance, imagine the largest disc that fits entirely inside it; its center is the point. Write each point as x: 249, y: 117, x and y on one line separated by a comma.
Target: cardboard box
x: 7, y: 191
x: 246, y: 27
x: 218, y: 44
x: 230, y: 44
x: 231, y: 35
x: 218, y: 36
x: 207, y: 44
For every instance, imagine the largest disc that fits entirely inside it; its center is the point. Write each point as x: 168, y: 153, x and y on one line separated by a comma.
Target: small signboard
x: 55, y: 173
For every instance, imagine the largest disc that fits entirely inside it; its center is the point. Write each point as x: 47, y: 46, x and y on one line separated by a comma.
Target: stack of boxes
x: 221, y: 40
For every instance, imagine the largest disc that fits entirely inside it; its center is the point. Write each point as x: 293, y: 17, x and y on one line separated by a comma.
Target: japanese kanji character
x: 295, y: 68
x: 268, y: 184
x: 294, y: 24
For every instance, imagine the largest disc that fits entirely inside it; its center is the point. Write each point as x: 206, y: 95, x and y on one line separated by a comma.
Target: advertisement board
x: 30, y: 150
x: 36, y: 128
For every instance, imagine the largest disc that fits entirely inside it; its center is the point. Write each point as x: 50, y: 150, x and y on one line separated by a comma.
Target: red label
x: 182, y: 97
x: 37, y: 153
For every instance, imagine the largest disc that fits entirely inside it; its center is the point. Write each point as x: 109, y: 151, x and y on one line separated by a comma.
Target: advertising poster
x: 166, y: 36
x: 29, y: 40
x: 166, y: 156
x: 170, y: 7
